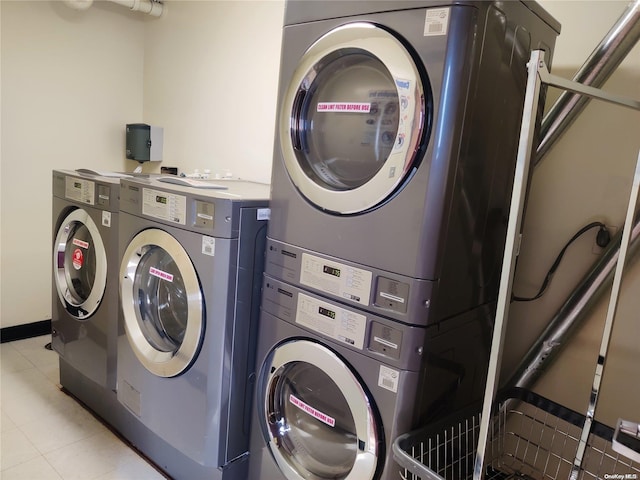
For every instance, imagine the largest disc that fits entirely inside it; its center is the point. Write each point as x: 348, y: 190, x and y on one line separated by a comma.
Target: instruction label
x: 356, y: 107
x: 317, y: 414
x: 388, y: 378
x: 338, y: 323
x: 106, y: 219
x: 336, y: 278
x: 80, y: 190
x: 436, y: 22
x: 164, y: 206
x: 208, y: 246
x: 160, y: 274
x: 80, y: 243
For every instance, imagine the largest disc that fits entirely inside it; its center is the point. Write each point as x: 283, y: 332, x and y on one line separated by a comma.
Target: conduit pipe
x: 150, y: 7
x: 602, y: 62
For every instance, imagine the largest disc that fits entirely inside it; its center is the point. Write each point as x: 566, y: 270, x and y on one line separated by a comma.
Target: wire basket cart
x: 531, y: 438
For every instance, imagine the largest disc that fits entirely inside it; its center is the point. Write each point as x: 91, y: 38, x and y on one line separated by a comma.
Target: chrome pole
x: 602, y: 62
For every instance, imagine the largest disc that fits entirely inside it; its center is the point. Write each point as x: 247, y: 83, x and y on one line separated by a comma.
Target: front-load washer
x: 336, y: 385
x: 395, y: 149
x: 190, y: 279
x: 85, y: 284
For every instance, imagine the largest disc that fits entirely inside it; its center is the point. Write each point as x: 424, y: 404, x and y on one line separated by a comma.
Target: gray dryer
x: 395, y: 149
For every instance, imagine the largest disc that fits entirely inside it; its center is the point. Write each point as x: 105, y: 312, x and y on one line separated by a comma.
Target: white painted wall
x: 211, y: 76
x: 70, y: 81
x: 206, y: 71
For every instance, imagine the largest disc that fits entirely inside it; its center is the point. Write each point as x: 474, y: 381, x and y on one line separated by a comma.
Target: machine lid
x: 162, y: 303
x: 320, y: 420
x: 79, y: 264
x: 353, y: 119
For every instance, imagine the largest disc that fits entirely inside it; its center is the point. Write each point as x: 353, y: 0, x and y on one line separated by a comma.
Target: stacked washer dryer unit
x: 85, y: 285
x: 190, y: 279
x: 393, y: 165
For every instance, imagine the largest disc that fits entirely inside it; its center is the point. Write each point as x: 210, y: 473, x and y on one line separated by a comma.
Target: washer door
x: 79, y: 264
x: 162, y: 303
x: 318, y: 418
x: 353, y: 118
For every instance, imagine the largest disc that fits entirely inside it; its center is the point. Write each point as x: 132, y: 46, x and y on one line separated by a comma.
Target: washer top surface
x: 302, y: 11
x: 234, y: 190
x: 209, y: 211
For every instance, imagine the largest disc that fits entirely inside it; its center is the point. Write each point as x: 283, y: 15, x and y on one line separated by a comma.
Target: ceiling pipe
x: 150, y: 7
x: 602, y: 62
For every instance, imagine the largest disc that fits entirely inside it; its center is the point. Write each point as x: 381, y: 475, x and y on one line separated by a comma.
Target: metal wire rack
x: 531, y: 438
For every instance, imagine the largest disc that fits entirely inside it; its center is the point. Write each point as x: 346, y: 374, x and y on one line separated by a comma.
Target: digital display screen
x: 331, y: 270
x: 160, y: 199
x: 327, y: 313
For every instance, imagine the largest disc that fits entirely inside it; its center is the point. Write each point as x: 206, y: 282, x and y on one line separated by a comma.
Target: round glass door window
x: 319, y: 418
x: 161, y: 302
x: 353, y: 119
x: 79, y: 264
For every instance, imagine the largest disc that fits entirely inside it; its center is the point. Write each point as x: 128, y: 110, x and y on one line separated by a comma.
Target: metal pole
x: 602, y: 62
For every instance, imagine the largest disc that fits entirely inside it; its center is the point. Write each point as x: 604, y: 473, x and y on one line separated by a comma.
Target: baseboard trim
x: 28, y: 330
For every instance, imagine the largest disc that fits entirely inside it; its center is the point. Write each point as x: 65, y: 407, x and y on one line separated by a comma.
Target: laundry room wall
x: 586, y: 177
x: 70, y: 82
x: 211, y: 76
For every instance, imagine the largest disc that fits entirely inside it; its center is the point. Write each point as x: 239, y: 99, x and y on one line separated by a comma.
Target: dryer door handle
x: 296, y: 119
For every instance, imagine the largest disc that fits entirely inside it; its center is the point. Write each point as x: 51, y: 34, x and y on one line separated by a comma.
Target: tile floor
x: 46, y: 434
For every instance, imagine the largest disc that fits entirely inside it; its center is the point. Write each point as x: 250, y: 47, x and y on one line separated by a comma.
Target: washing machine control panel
x: 395, y: 296
x: 398, y: 344
x: 166, y: 206
x: 80, y: 190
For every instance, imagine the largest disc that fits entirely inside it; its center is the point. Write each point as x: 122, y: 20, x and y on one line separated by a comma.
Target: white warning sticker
x: 263, y: 214
x: 208, y: 245
x: 388, y: 378
x: 317, y: 414
x: 436, y: 22
x: 106, y: 219
x: 160, y: 274
x: 343, y: 107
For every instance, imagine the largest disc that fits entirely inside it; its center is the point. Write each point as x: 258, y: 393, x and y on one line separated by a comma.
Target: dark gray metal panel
x: 303, y: 11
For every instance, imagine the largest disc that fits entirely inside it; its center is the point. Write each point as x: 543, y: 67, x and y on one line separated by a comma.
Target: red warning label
x: 80, y: 243
x: 324, y: 418
x: 344, y: 107
x: 78, y: 259
x: 160, y: 274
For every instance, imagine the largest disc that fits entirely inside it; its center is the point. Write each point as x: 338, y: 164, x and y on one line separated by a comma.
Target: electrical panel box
x: 144, y: 142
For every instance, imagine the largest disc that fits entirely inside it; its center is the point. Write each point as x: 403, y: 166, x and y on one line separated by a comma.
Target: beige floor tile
x: 11, y: 360
x: 36, y: 469
x: 5, y: 422
x: 90, y: 458
x: 28, y: 395
x: 16, y: 449
x: 62, y: 428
